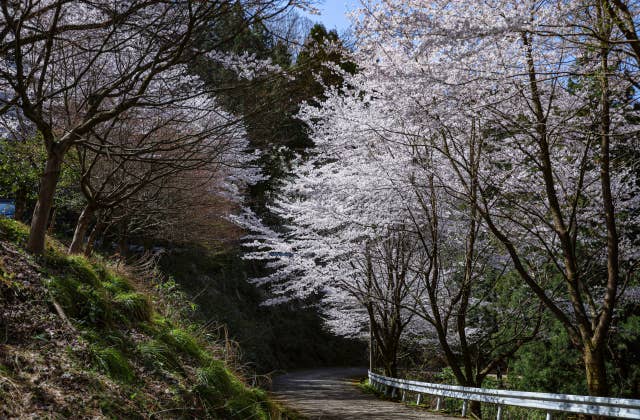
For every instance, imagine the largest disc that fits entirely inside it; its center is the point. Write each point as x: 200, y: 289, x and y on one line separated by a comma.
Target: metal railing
x: 551, y: 403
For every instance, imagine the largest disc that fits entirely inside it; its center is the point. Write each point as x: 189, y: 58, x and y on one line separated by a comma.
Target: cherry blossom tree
x: 541, y: 96
x: 339, y: 248
x: 139, y: 152
x: 73, y: 66
x: 497, y: 134
x: 369, y: 228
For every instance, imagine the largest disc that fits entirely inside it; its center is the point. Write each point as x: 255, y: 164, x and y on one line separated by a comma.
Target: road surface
x: 331, y: 394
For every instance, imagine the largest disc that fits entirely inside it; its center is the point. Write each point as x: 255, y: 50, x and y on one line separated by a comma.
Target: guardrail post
x: 464, y: 408
x: 548, y: 415
x: 439, y: 404
x: 404, y: 395
x: 419, y: 400
x: 499, y: 415
x: 394, y: 392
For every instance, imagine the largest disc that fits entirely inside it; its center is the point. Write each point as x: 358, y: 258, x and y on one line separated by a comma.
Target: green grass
x: 184, y: 343
x: 111, y: 361
x: 158, y: 355
x: 133, y: 306
x: 92, y: 295
x: 114, y: 283
x: 128, y: 339
x: 13, y: 231
x: 85, y: 304
x: 80, y: 268
x: 366, y: 387
x: 218, y: 386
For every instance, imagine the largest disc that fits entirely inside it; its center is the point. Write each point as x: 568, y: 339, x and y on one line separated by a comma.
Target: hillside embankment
x: 90, y: 338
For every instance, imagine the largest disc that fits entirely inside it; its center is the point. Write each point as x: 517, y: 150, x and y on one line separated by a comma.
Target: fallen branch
x: 62, y: 315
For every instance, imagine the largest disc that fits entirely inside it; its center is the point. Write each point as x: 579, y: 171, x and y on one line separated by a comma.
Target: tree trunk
x: 52, y: 220
x: 594, y: 348
x: 93, y: 236
x: 123, y: 245
x: 81, y: 230
x: 389, y: 366
x: 389, y: 360
x: 596, y: 371
x: 41, y: 213
x: 609, y: 303
x: 21, y: 205
x: 371, y: 351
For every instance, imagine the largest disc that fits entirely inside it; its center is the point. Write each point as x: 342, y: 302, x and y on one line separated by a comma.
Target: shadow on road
x: 330, y: 394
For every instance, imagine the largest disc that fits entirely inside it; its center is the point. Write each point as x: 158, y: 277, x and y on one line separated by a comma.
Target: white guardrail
x: 558, y: 403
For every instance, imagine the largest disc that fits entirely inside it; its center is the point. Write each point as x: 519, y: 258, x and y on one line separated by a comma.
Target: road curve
x: 331, y: 394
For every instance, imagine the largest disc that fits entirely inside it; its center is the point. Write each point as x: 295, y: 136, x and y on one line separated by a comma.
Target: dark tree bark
x: 97, y: 230
x: 42, y: 211
x: 82, y: 226
x: 123, y: 244
x: 21, y: 205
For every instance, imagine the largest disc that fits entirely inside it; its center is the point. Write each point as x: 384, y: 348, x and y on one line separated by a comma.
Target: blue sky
x: 332, y: 13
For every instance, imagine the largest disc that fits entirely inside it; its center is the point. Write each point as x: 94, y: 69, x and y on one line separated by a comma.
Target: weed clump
x: 13, y: 231
x: 113, y: 283
x: 158, y: 355
x: 183, y: 342
x: 218, y: 387
x: 80, y: 268
x: 113, y: 363
x: 82, y: 302
x: 133, y: 306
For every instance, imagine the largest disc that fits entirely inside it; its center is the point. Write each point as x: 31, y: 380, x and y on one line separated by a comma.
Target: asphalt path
x: 332, y: 394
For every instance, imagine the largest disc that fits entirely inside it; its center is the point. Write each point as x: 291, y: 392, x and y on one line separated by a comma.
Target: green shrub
x: 107, y: 337
x: 160, y: 322
x: 549, y: 364
x: 624, y: 368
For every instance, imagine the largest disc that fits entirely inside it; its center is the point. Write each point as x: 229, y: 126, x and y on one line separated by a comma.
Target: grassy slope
x: 122, y: 355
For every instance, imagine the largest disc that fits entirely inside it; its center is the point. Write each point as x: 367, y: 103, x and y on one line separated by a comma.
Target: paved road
x: 331, y: 394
